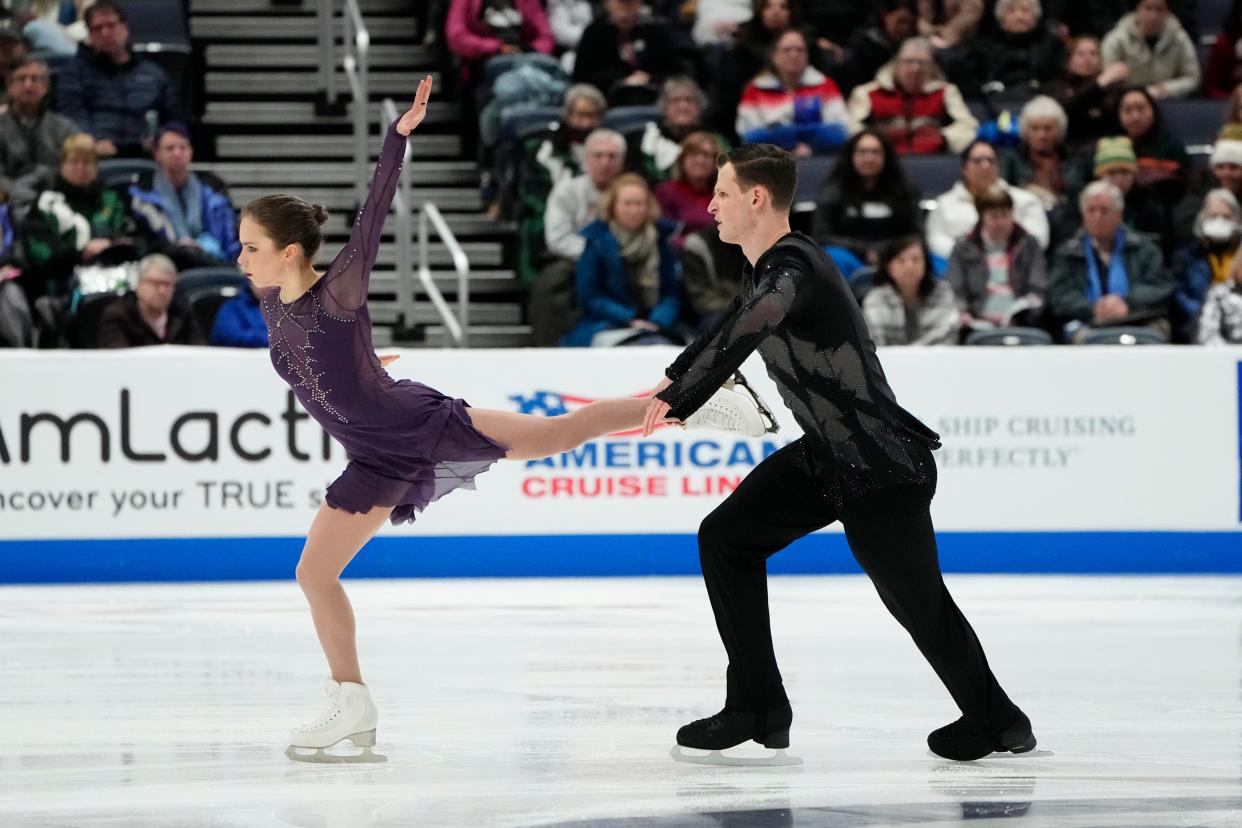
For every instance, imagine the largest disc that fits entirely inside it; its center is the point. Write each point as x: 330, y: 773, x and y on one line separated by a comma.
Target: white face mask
x: 1219, y: 228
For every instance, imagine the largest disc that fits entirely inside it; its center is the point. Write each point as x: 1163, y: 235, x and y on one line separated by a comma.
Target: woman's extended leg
x: 528, y: 437
x: 334, y: 539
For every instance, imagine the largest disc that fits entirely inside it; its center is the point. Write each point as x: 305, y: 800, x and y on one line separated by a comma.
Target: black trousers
x: 890, y: 533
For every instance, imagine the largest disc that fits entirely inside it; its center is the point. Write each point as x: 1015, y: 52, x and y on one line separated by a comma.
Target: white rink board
x: 1035, y: 439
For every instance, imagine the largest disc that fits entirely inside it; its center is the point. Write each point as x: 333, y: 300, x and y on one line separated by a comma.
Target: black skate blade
x: 320, y: 756
x: 1000, y: 754
x: 775, y: 759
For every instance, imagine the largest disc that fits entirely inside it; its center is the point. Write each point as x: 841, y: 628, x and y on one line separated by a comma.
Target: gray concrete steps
x: 237, y: 147
x: 302, y: 114
x: 482, y: 282
x: 299, y: 174
x: 491, y: 336
x: 385, y: 312
x: 306, y: 56
x: 293, y: 26
x: 368, y: 7
x: 448, y: 199
x: 399, y: 85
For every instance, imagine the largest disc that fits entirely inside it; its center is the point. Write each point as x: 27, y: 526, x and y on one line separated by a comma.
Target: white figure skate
x: 349, y: 714
x: 735, y: 408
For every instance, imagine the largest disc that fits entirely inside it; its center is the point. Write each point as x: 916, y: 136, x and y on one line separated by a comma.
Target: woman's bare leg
x: 528, y: 437
x: 334, y: 539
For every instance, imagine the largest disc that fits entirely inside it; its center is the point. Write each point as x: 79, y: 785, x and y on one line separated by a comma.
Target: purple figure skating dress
x: 407, y: 444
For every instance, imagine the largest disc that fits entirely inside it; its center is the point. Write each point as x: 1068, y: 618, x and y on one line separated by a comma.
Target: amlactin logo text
x: 195, y: 436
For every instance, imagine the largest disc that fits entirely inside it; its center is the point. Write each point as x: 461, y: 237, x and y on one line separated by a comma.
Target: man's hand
x: 644, y: 325
x: 94, y: 247
x: 418, y: 110
x: 104, y: 148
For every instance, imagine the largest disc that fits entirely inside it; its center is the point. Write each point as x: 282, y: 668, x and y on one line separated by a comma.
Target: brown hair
x: 78, y: 145
x: 764, y: 165
x: 608, y: 204
x: 993, y: 198
x: 289, y: 220
x: 695, y: 140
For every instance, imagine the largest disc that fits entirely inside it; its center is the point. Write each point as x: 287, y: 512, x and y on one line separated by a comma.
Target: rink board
x: 197, y: 464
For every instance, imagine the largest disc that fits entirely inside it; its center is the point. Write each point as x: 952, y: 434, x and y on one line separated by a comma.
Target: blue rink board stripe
x: 224, y: 559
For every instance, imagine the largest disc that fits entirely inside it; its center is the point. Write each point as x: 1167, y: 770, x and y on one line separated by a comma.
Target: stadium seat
x: 83, y: 326
x: 861, y: 282
x: 198, y: 279
x: 931, y: 175
x: 626, y: 118
x: 1009, y: 336
x: 1209, y: 14
x: 205, y: 303
x: 158, y: 25
x: 1124, y: 336
x: 1193, y: 121
x: 812, y: 173
x: 523, y: 123
x: 118, y: 171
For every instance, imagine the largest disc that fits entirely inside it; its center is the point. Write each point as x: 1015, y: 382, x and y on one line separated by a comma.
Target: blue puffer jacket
x: 604, y: 285
x: 219, y: 237
x: 239, y: 323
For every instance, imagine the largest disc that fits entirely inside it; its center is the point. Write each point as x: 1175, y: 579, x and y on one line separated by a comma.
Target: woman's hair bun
x: 320, y: 213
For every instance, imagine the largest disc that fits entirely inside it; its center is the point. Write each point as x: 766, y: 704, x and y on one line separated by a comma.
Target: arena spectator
x: 870, y: 48
x: 147, y: 315
x: 1023, y: 53
x: 1042, y: 164
x: 31, y: 136
x: 711, y: 272
x: 717, y: 21
x: 792, y: 104
x: 627, y: 278
x: 955, y: 213
x: 12, y: 51
x: 625, y: 55
x: 546, y: 160
x: 949, y: 22
x: 1223, y: 70
x: 1220, y: 323
x: 1087, y: 91
x: 913, y: 106
x: 41, y: 25
x: 572, y: 205
x: 75, y: 221
x: 653, y: 151
x: 113, y: 94
x: 1116, y: 163
x: 1206, y: 262
x: 479, y: 30
x: 749, y: 55
x: 1107, y: 274
x: 1226, y: 161
x: 683, y: 199
x: 1157, y: 49
x: 997, y: 272
x: 568, y: 20
x: 183, y: 214
x: 16, y: 320
x: 1162, y: 159
x: 1233, y: 111
x: 1095, y: 19
x: 908, y: 305
x: 239, y: 323
x: 865, y: 203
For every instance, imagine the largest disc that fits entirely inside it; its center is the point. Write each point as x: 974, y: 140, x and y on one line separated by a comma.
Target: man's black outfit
x: 863, y: 460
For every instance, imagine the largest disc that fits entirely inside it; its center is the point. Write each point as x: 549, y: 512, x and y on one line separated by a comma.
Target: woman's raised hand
x: 418, y: 110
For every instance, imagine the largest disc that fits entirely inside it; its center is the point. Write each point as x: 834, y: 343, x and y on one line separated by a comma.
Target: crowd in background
x: 1077, y: 211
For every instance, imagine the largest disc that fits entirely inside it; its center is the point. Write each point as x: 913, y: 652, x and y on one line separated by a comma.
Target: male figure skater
x: 863, y: 460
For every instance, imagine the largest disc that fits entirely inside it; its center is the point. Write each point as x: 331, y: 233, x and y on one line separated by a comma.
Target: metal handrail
x: 357, y: 62
x: 327, y: 52
x: 403, y: 203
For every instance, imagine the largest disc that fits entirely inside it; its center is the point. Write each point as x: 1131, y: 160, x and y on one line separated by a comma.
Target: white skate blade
x: 778, y: 758
x: 366, y: 756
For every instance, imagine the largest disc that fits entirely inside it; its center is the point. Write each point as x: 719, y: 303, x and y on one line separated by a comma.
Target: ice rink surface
x: 531, y: 702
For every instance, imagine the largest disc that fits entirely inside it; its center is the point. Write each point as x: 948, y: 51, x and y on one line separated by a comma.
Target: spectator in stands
x: 955, y: 213
x: 1226, y: 161
x: 1024, y: 53
x: 75, y: 221
x: 147, y: 315
x: 1162, y: 159
x: 568, y: 20
x: 571, y: 206
x: 113, y: 94
x: 870, y: 48
x: 1233, y: 112
x: 1116, y: 163
x: 479, y: 30
x: 683, y: 199
x: 41, y: 25
x: 183, y: 214
x: 1223, y: 70
x: 1157, y: 49
x: 1206, y: 262
x: 627, y: 278
x: 239, y: 322
x: 948, y: 23
x: 711, y: 271
x: 865, y: 203
x: 717, y: 21
x: 1042, y: 164
x: 31, y: 135
x: 908, y: 305
x: 548, y: 159
x: 16, y: 321
x: 997, y: 272
x: 792, y: 104
x: 752, y: 46
x: 913, y: 106
x: 625, y: 55
x: 1220, y: 322
x: 1094, y: 19
x: 1088, y: 92
x: 653, y: 151
x: 12, y: 50
x: 1107, y: 274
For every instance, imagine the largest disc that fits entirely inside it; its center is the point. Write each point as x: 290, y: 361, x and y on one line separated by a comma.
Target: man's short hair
x: 156, y: 261
x: 28, y: 60
x: 1102, y: 188
x: 175, y: 127
x: 764, y: 165
x: 101, y: 6
x: 605, y: 136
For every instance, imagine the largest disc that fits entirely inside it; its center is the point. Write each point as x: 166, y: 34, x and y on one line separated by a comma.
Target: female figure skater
x: 407, y: 444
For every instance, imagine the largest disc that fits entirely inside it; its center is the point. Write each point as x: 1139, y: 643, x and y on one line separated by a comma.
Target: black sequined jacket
x: 797, y: 310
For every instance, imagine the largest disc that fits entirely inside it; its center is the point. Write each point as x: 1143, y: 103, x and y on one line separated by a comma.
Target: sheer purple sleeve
x: 349, y: 276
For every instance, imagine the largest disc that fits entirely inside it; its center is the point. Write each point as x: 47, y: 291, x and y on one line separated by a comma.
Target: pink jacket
x: 469, y: 39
